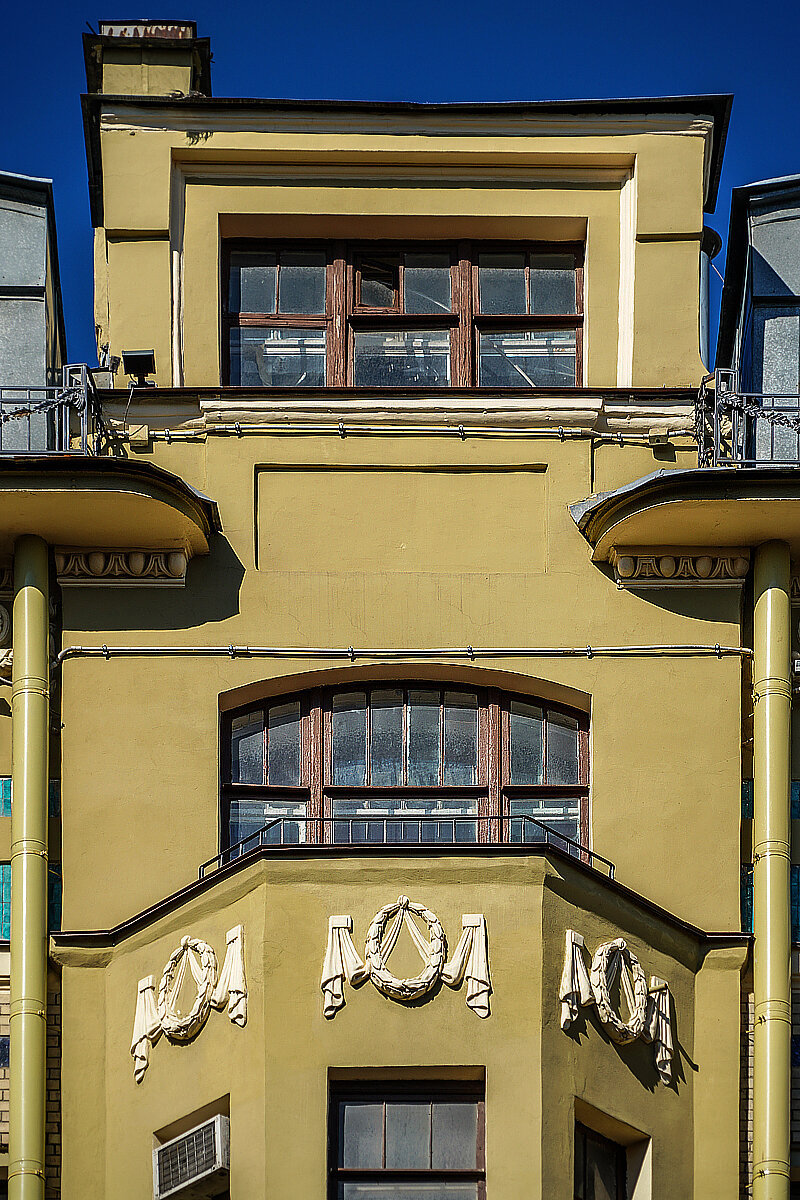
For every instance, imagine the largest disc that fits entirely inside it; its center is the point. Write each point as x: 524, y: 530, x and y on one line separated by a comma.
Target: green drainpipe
x: 30, y: 711
x: 771, y: 748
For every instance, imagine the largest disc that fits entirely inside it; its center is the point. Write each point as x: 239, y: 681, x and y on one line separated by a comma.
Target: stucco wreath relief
x: 470, y: 960
x: 158, y: 1013
x: 649, y: 1009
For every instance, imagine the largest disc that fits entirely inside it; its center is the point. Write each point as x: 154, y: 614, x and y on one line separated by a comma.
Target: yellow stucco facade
x: 345, y: 537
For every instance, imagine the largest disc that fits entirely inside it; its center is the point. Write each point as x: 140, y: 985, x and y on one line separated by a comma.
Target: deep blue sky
x: 411, y: 50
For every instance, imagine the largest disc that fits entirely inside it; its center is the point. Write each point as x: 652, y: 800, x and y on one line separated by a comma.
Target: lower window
x: 394, y: 1142
x: 599, y: 1167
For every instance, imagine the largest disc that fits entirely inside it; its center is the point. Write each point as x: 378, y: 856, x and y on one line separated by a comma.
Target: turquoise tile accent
x: 747, y: 897
x: 5, y: 901
x: 53, y: 797
x: 747, y: 799
x: 54, y: 896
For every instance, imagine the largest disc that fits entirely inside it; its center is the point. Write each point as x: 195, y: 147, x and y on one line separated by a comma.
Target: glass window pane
x: 422, y: 751
x: 249, y: 817
x: 252, y: 283
x: 301, y: 285
x: 525, y: 733
x: 460, y: 739
x: 528, y: 358
x: 385, y: 1190
x: 360, y: 1134
x: 247, y: 749
x: 408, y: 1135
x: 552, y: 283
x: 349, y: 731
x: 277, y: 357
x: 386, y: 739
x: 562, y: 749
x: 402, y: 358
x: 455, y: 1136
x: 283, y: 745
x: 380, y: 280
x: 561, y: 816
x: 601, y: 1170
x: 501, y: 280
x: 580, y: 1169
x: 426, y: 283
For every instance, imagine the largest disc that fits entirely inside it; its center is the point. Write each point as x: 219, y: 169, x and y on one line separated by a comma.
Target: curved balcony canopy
x: 702, y: 507
x: 85, y: 502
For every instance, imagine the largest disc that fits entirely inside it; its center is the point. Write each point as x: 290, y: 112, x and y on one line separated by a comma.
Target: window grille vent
x: 195, y: 1165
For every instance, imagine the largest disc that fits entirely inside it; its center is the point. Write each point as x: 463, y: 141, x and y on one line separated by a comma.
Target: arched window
x: 404, y: 763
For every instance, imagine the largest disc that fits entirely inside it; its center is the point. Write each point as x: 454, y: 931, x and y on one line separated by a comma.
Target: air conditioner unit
x: 196, y: 1165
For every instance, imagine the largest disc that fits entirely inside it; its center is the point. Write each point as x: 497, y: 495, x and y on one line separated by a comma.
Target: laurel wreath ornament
x: 202, y: 962
x: 380, y: 944
x: 610, y: 958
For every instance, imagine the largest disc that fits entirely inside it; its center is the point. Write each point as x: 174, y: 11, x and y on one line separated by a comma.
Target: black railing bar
x: 373, y: 818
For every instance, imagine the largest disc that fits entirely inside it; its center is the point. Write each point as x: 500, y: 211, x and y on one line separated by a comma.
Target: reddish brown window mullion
x: 314, y: 764
x: 494, y: 748
x: 337, y: 316
x: 461, y: 348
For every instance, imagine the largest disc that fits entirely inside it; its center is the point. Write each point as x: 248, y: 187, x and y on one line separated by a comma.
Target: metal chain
x: 73, y: 396
x: 725, y: 400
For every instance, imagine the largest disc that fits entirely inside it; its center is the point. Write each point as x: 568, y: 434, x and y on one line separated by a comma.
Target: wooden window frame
x: 493, y: 789
x: 345, y: 315
x: 383, y: 1092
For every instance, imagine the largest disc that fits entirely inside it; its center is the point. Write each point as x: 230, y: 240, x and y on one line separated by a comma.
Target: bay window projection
x: 405, y: 764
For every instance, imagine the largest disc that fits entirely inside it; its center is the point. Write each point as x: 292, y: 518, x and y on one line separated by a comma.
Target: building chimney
x: 147, y: 58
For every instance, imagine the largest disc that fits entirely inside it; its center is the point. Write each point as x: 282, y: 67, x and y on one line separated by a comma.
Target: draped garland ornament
x: 157, y: 1015
x: 470, y: 959
x: 649, y: 1008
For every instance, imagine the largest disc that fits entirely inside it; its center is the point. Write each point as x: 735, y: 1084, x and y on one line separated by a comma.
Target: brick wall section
x: 53, y: 1085
x: 746, y: 1099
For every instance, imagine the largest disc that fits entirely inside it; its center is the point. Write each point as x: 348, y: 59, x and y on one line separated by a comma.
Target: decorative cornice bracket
x: 636, y: 567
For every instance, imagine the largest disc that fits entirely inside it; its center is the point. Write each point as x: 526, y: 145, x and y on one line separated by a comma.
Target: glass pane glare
x: 408, y: 1135
x: 422, y: 750
x: 561, y: 816
x: 525, y: 733
x: 283, y: 745
x: 349, y: 732
x: 562, y: 749
x: 360, y: 1134
x: 248, y: 817
x: 460, y: 739
x: 552, y: 283
x: 426, y: 283
x: 386, y: 739
x: 501, y: 280
x: 528, y: 358
x: 301, y: 286
x: 252, y: 283
x: 277, y: 357
x: 402, y: 358
x: 247, y: 749
x: 455, y: 1136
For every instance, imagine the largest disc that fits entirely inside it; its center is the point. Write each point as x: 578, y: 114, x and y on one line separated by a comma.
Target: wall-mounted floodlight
x: 140, y: 364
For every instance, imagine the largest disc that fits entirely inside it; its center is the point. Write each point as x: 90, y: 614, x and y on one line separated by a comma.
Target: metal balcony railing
x: 402, y: 832
x: 746, y: 429
x: 62, y: 419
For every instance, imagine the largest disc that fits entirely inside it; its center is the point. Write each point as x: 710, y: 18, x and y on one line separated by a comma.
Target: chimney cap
x: 172, y: 31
